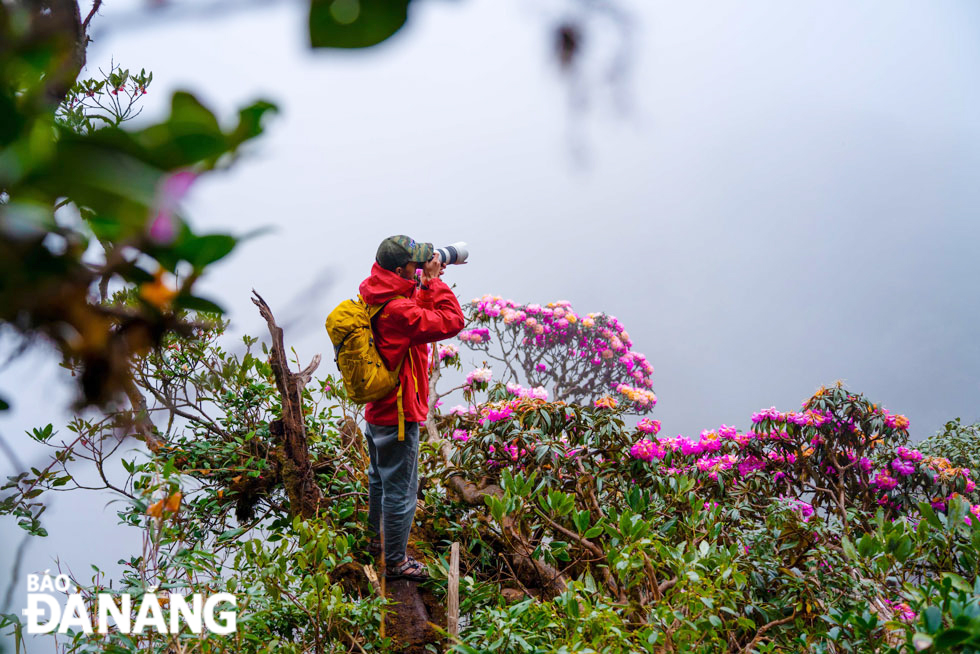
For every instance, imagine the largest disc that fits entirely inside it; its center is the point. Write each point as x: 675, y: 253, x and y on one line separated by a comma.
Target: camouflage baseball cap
x: 398, y: 250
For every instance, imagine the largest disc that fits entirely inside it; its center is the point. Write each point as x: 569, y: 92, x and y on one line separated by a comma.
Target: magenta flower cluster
x: 902, y: 611
x: 648, y: 426
x: 448, y: 351
x: 512, y: 452
x: 597, y: 338
x: 536, y: 393
x: 806, y: 418
x: 475, y: 336
x: 764, y: 450
x: 496, y: 412
x: 479, y: 377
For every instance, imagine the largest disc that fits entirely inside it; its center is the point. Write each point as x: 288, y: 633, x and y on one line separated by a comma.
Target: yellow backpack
x: 365, y: 375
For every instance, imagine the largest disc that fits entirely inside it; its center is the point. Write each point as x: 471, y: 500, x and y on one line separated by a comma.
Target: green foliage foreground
x: 636, y: 544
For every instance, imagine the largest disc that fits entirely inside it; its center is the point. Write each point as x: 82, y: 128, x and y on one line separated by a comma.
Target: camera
x: 455, y: 253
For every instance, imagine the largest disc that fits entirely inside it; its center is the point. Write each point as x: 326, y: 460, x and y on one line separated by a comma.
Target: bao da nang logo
x: 45, y: 613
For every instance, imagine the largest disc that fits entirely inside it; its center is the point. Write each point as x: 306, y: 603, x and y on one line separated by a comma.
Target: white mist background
x: 776, y: 196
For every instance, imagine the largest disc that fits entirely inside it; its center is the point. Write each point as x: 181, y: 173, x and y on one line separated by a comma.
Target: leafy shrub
x: 813, y: 530
x: 957, y: 442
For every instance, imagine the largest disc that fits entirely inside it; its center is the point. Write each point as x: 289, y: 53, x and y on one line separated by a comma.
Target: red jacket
x: 407, y: 325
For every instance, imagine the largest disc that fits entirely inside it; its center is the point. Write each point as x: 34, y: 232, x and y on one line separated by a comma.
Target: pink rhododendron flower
x: 709, y: 441
x: 448, y: 351
x: 538, y: 392
x: 715, y: 464
x: 897, y: 422
x: 648, y: 426
x: 640, y: 396
x: 903, y: 468
x: 768, y: 414
x: 163, y: 228
x: 905, y: 612
x: 605, y: 402
x: 688, y: 448
x: 909, y: 455
x: 479, y: 376
x: 496, y: 413
x: 884, y: 481
x: 646, y: 450
x: 727, y: 432
x: 475, y: 336
x: 750, y: 464
x: 805, y: 510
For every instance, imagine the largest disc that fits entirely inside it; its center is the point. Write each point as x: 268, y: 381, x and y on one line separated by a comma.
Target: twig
x: 764, y: 628
x: 452, y: 619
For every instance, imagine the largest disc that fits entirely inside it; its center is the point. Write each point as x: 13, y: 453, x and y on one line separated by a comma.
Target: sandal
x: 374, y: 547
x: 411, y: 569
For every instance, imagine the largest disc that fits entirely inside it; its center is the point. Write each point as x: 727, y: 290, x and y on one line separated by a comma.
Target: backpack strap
x: 373, y: 310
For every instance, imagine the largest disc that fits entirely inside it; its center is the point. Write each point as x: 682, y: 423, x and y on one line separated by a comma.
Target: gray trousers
x: 394, y: 483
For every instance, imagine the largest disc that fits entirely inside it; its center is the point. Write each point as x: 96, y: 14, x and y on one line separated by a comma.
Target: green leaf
x: 189, y: 117
x: 231, y: 533
x: 195, y: 303
x: 904, y: 549
x: 200, y: 251
x: 951, y: 637
x: 355, y: 23
x: 933, y: 619
x: 4, y: 406
x: 572, y: 605
x: 867, y: 545
x: 250, y: 121
x: 957, y: 581
x: 136, y: 275
x: 926, y: 510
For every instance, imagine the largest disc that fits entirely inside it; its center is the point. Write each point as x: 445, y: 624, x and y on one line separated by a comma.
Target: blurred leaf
x: 200, y: 251
x: 250, y: 121
x: 11, y: 120
x: 355, y: 23
x: 951, y: 637
x: 136, y: 275
x: 201, y: 304
x: 933, y: 619
x: 4, y: 406
x: 190, y: 135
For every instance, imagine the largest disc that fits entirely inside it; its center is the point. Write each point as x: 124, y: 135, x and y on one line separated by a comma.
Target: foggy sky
x: 775, y: 196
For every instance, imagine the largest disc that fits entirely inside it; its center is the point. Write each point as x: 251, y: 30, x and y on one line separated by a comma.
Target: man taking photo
x: 419, y: 309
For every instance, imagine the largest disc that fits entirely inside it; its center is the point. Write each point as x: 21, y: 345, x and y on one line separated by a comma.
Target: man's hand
x: 432, y: 269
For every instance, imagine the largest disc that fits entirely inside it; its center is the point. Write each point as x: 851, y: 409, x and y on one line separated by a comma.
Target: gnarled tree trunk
x: 289, y: 432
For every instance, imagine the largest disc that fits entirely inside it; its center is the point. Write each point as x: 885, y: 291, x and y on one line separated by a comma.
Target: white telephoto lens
x: 455, y: 253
